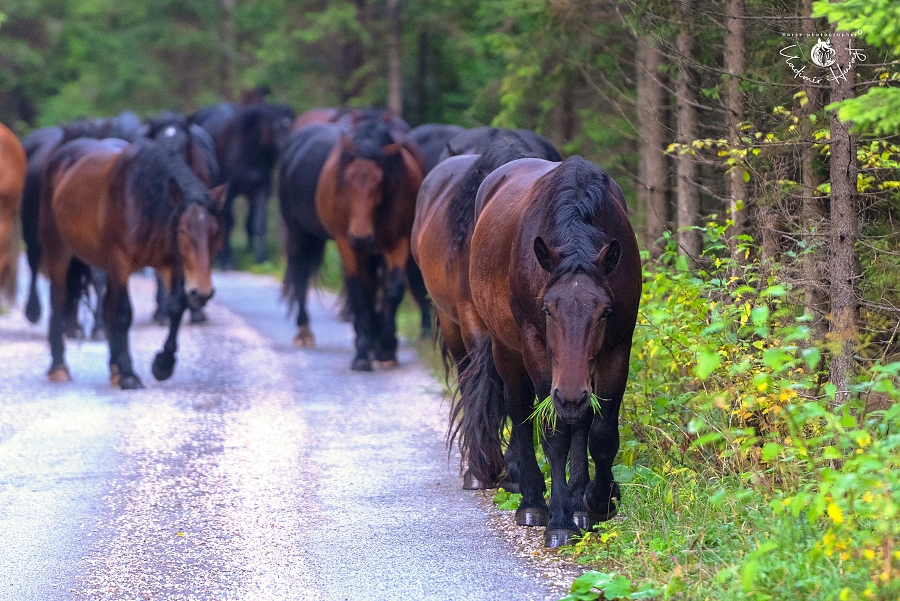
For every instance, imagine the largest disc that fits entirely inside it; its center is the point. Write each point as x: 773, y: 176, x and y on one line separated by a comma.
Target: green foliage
x: 591, y: 585
x: 507, y: 501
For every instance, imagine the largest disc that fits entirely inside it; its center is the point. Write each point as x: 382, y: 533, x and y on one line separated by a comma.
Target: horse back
x: 83, y: 211
x: 500, y: 206
x: 436, y: 191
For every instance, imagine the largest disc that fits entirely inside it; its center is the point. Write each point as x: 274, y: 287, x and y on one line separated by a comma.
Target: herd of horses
x: 528, y: 260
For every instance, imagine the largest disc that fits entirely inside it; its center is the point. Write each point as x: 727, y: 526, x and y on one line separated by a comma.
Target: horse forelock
x: 576, y: 196
x: 369, y: 141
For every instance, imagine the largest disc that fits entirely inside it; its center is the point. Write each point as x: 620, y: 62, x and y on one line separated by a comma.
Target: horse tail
x: 477, y: 415
x: 79, y: 278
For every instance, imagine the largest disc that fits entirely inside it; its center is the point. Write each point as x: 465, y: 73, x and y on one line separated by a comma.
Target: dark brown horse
x: 360, y: 189
x: 441, y: 235
x: 556, y: 280
x: 13, y: 165
x: 121, y: 207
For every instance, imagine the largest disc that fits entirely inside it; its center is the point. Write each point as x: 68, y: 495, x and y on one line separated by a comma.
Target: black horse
x: 477, y: 139
x: 248, y: 139
x: 432, y: 139
x: 196, y: 147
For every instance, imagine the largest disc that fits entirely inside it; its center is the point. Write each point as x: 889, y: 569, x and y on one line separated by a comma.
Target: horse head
x: 169, y: 129
x: 199, y: 238
x: 366, y: 160
x: 576, y: 307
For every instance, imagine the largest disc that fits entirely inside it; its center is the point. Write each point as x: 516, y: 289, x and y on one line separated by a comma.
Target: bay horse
x: 555, y: 276
x: 13, y: 166
x: 39, y: 146
x: 120, y: 207
x: 441, y: 236
x: 196, y: 147
x: 358, y: 188
x: 248, y: 140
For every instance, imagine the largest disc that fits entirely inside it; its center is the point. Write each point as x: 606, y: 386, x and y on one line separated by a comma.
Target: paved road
x: 257, y: 471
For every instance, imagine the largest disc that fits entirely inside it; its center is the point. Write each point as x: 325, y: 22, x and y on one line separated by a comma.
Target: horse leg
x: 360, y: 297
x: 557, y: 442
x: 600, y: 496
x: 161, y: 315
x: 256, y: 222
x: 226, y: 260
x: 393, y: 283
x: 420, y: 294
x: 117, y: 314
x: 305, y: 254
x: 98, y: 278
x: 519, y: 396
x: 33, y: 252
x: 579, y: 475
x: 57, y: 271
x: 74, y: 288
x: 164, y: 362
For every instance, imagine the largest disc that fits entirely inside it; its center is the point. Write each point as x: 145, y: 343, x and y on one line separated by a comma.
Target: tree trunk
x: 652, y: 168
x: 395, y: 71
x: 689, y: 241
x: 228, y: 50
x: 422, y: 79
x: 351, y: 61
x: 734, y: 114
x: 844, y: 228
x: 815, y: 299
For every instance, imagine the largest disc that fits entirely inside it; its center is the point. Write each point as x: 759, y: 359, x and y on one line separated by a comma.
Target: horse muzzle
x: 361, y: 243
x: 571, y: 408
x: 196, y: 300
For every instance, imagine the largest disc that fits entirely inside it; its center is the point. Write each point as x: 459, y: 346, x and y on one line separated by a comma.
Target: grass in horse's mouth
x: 545, y: 413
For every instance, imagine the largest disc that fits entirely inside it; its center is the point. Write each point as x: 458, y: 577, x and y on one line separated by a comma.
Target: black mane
x: 502, y: 147
x: 572, y: 198
x: 162, y: 185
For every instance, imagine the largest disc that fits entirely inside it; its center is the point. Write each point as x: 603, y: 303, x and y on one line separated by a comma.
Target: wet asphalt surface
x: 258, y: 471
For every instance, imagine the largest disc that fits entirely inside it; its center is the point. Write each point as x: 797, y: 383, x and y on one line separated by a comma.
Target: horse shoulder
x: 333, y: 214
x: 436, y: 191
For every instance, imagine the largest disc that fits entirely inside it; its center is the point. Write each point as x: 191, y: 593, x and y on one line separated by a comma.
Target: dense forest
x: 761, y: 443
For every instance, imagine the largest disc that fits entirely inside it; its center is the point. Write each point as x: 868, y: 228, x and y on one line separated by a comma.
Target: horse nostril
x: 362, y: 243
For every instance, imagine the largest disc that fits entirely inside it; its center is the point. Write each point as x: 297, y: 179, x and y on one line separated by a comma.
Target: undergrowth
x: 743, y: 474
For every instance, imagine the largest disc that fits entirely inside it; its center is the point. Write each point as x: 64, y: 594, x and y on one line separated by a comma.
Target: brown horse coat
x: 13, y: 165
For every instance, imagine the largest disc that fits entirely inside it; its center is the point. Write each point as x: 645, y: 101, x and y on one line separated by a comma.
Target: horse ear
x: 609, y: 256
x: 218, y: 195
x: 450, y: 150
x: 547, y: 258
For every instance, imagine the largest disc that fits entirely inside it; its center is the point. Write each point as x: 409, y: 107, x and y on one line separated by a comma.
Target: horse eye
x: 606, y: 313
x: 546, y: 310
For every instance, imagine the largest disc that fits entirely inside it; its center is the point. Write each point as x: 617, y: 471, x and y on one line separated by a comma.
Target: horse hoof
x: 391, y: 364
x: 471, y: 482
x: 532, y: 516
x: 304, y: 338
x: 198, y: 316
x: 33, y: 310
x: 59, y: 374
x: 583, y: 520
x: 360, y: 364
x: 163, y: 366
x: 130, y: 383
x: 558, y: 538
